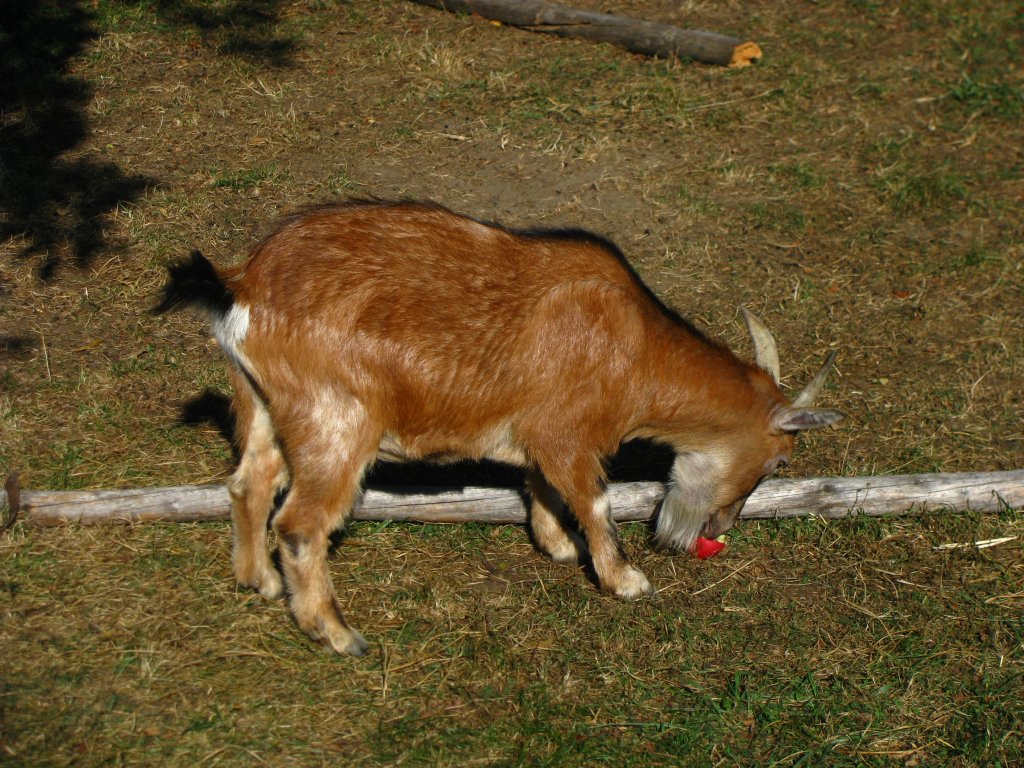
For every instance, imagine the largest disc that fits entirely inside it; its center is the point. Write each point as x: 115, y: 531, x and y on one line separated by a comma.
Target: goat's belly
x: 496, y: 445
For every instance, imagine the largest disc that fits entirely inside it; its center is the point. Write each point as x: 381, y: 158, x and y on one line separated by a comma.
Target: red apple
x: 705, y: 548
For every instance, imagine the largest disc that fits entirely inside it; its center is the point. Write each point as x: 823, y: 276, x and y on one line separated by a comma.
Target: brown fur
x: 405, y: 329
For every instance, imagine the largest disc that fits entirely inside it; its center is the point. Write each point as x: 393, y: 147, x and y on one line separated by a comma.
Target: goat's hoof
x: 567, y: 548
x: 271, y: 586
x: 268, y: 584
x: 633, y: 585
x: 342, y: 640
x: 327, y: 624
x: 566, y: 553
x: 357, y: 645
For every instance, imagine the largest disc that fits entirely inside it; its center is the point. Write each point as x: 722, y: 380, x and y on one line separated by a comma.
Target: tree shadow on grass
x: 246, y: 28
x: 52, y: 204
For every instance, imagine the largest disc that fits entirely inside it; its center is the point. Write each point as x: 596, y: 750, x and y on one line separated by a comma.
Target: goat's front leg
x: 550, y: 527
x: 578, y: 481
x: 614, y: 573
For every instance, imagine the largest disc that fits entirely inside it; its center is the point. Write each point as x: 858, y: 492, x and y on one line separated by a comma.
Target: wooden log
x: 646, y: 37
x: 830, y: 497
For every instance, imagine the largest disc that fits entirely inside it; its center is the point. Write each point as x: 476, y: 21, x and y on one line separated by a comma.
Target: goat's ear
x: 795, y: 419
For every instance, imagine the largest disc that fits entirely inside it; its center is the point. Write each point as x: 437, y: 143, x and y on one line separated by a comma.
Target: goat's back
x: 442, y: 324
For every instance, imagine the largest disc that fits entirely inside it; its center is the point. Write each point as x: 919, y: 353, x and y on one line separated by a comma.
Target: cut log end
x: 745, y: 54
x: 12, y: 491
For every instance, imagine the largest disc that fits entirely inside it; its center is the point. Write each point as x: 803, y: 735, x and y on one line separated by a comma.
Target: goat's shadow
x: 213, y: 409
x: 636, y: 461
x: 245, y: 28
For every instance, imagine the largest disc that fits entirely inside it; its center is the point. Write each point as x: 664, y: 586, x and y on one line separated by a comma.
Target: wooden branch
x: 645, y: 37
x: 831, y: 497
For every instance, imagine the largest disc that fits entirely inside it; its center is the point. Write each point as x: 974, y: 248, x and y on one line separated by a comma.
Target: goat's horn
x: 806, y: 398
x: 765, y: 352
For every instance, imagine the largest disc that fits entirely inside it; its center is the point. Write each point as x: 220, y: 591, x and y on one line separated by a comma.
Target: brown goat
x: 366, y: 330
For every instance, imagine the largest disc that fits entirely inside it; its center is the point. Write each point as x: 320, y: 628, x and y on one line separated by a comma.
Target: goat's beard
x: 679, y: 521
x: 688, y: 501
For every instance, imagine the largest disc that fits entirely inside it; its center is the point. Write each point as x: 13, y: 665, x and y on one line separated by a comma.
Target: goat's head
x: 710, y: 484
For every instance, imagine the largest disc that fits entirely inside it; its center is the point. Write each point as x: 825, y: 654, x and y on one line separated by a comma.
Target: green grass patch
x: 247, y: 179
x: 932, y: 190
x: 991, y: 97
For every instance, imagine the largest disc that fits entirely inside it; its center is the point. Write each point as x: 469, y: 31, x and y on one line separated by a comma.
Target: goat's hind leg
x: 260, y: 475
x: 327, y: 456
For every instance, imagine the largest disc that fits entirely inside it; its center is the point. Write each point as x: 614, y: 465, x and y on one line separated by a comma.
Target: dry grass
x: 855, y: 641
x: 860, y: 188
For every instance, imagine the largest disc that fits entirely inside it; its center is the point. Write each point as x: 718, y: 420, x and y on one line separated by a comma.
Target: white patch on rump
x: 230, y: 330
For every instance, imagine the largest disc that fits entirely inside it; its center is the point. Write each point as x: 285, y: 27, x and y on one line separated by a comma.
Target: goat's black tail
x: 195, y: 282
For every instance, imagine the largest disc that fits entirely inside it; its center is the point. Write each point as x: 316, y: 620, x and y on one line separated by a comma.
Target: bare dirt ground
x: 860, y: 188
